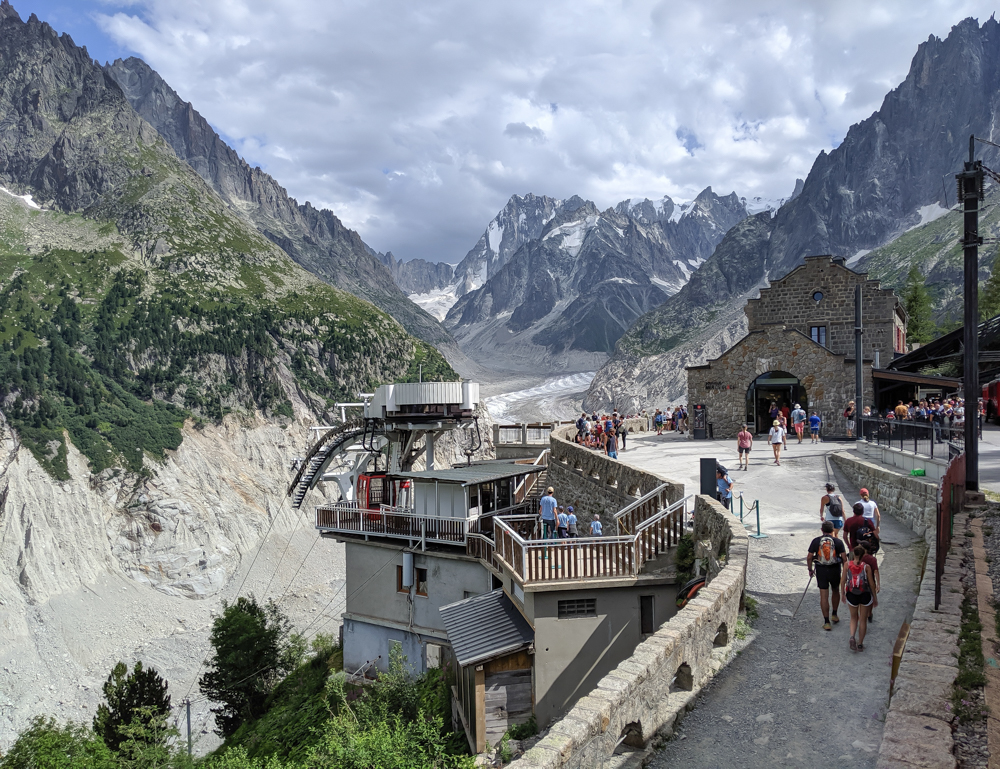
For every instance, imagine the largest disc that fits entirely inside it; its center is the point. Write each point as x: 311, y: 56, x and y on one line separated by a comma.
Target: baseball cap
x: 570, y: 508
x: 864, y: 491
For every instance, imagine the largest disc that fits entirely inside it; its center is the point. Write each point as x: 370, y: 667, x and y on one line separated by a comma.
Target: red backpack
x: 857, y: 578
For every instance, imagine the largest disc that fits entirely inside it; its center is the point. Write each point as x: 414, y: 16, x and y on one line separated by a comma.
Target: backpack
x: 826, y: 555
x: 581, y: 423
x: 865, y: 535
x: 720, y: 469
x: 857, y: 579
x: 836, y: 506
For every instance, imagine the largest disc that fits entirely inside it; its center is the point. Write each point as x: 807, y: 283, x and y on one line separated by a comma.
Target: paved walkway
x: 797, y: 696
x: 989, y: 458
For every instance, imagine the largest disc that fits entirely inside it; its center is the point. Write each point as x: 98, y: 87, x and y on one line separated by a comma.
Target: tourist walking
x: 814, y: 423
x: 783, y: 423
x: 856, y: 587
x: 744, y: 442
x: 871, y: 511
x: 562, y: 524
x: 799, y: 421
x: 870, y: 559
x: 859, y: 530
x: 776, y: 438
x: 571, y: 523
x: 724, y: 487
x: 622, y: 432
x: 831, y: 509
x: 824, y: 559
x: 596, y: 530
x: 547, y: 508
x: 849, y: 413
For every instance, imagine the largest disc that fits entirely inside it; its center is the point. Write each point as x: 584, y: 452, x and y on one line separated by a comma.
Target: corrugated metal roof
x: 470, y: 475
x: 485, y: 626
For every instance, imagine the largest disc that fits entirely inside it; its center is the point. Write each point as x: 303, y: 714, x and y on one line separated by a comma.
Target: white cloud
x: 415, y: 122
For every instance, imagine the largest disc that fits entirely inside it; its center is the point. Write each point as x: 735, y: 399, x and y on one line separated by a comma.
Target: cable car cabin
x: 373, y: 491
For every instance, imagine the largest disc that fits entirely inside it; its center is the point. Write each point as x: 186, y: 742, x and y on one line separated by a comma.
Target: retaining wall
x: 905, y: 460
x: 648, y: 693
x: 909, y: 499
x: 592, y: 483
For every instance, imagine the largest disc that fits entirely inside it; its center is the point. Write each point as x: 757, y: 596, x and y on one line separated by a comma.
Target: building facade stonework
x: 800, y: 349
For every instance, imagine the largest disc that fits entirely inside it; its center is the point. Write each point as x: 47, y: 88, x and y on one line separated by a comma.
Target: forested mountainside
x: 134, y: 296
x: 891, y: 172
x: 315, y: 238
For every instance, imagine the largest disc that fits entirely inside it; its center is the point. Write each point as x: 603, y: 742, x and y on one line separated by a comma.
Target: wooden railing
x: 526, y: 485
x: 629, y: 518
x: 533, y: 561
x: 480, y: 546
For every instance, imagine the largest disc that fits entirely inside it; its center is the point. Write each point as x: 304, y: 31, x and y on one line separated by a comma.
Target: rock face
x: 564, y: 298
x: 883, y: 179
x: 314, y: 238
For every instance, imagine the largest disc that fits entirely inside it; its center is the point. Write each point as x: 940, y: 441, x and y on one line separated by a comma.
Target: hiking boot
x: 827, y: 625
x: 834, y: 617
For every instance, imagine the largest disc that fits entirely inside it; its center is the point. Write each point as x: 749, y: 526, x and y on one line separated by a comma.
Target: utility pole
x: 970, y: 193
x: 859, y: 366
x: 188, y: 704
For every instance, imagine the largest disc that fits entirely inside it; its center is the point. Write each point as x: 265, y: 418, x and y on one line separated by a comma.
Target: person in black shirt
x: 826, y: 554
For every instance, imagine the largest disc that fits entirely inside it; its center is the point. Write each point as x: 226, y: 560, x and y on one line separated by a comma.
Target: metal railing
x: 523, y: 434
x: 385, y: 521
x: 937, y: 440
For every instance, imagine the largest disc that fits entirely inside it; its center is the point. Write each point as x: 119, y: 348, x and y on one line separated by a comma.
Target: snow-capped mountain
x: 566, y: 295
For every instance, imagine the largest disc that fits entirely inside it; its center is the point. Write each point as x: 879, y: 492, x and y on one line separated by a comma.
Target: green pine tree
x: 921, y: 328
x: 139, y: 695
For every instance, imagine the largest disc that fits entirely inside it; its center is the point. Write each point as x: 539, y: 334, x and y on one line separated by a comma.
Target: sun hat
x: 776, y: 422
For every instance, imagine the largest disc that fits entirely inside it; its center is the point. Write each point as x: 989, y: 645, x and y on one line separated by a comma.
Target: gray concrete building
x: 800, y: 349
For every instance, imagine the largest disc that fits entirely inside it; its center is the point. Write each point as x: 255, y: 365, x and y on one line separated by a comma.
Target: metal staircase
x: 319, y: 456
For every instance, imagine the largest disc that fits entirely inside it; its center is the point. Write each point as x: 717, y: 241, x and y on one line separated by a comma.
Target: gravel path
x: 796, y: 696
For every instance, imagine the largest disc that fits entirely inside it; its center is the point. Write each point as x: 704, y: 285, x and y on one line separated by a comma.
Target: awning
x: 485, y: 626
x: 930, y: 380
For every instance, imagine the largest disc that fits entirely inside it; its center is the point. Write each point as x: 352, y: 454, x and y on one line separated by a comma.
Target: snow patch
x: 494, y: 234
x: 857, y: 257
x: 573, y: 234
x: 438, y: 301
x: 680, y: 209
x: 500, y: 406
x: 930, y: 213
x: 26, y: 198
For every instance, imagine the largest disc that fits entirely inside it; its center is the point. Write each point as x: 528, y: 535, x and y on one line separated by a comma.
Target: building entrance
x: 773, y: 388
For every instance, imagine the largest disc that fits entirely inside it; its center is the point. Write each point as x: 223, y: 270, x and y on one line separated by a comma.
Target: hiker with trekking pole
x: 824, y: 559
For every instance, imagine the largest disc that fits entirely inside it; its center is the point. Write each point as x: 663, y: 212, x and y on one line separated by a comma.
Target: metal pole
x: 970, y: 189
x: 188, y: 704
x: 859, y: 375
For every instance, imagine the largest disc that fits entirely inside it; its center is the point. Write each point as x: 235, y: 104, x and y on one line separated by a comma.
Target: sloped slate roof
x: 485, y: 626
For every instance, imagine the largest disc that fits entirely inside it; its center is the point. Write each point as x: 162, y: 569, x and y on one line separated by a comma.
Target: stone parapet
x: 909, y: 499
x: 592, y: 483
x: 648, y: 693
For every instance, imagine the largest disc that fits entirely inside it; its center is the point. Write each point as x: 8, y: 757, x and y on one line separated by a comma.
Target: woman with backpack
x: 831, y: 508
x: 856, y: 590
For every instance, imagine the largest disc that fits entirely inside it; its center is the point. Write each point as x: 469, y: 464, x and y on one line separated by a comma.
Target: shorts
x: 562, y: 533
x: 612, y: 455
x: 799, y: 428
x: 838, y: 523
x: 547, y: 527
x: 814, y: 431
x: 744, y: 450
x: 850, y: 424
x: 864, y: 599
x: 828, y: 575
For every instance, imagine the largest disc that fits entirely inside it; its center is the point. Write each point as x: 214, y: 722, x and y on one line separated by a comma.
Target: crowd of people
x: 607, y: 433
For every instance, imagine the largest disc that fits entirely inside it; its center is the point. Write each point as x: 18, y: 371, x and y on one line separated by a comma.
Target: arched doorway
x: 778, y: 387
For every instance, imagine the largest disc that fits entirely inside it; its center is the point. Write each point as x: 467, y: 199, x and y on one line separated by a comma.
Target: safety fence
x: 937, y: 440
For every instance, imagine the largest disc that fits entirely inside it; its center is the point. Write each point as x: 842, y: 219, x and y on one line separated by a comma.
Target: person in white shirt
x: 871, y: 511
x: 776, y: 437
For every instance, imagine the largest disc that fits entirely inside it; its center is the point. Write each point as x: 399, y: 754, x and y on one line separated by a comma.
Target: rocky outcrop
x: 314, y: 238
x: 882, y: 179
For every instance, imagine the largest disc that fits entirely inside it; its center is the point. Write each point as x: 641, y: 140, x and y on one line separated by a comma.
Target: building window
x: 435, y: 653
x: 646, y: 614
x: 818, y: 295
x: 818, y: 334
x: 421, y: 582
x: 577, y: 607
x: 399, y: 581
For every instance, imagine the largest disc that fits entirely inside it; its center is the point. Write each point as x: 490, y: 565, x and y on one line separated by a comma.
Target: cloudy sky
x: 416, y: 121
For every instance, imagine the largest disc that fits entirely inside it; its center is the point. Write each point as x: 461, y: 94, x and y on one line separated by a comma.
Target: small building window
x: 818, y: 334
x: 818, y: 295
x: 421, y: 582
x: 399, y: 581
x: 578, y: 607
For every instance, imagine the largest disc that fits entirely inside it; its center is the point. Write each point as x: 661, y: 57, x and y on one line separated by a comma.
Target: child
x: 595, y: 526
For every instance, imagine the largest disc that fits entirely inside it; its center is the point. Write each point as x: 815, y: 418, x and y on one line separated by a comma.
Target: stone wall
x: 722, y: 384
x: 789, y: 302
x: 592, y: 483
x: 648, y: 693
x: 909, y: 499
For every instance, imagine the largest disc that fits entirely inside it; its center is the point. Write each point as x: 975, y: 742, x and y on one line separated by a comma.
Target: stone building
x: 800, y: 349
